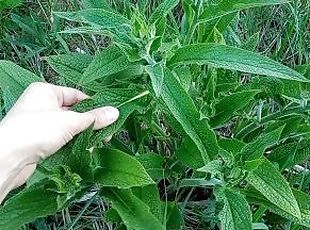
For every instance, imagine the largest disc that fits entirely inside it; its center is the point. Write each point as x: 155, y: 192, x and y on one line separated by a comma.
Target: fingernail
x: 112, y: 113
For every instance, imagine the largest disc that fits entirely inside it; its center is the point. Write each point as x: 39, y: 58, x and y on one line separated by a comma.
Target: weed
x: 211, y: 134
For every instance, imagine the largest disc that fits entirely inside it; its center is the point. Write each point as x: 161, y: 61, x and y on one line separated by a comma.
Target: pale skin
x: 38, y: 125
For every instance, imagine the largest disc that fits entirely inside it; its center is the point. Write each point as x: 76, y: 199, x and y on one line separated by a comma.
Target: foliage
x: 197, y: 111
x: 8, y: 4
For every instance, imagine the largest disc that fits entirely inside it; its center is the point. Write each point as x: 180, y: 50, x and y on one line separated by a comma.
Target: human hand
x: 39, y: 124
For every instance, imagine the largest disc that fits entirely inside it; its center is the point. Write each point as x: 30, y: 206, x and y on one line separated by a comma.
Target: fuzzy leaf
x: 236, y: 213
x: 163, y: 9
x: 251, y: 43
x: 79, y: 160
x: 227, y: 57
x: 226, y: 107
x: 97, y: 4
x: 256, y: 149
x: 134, y: 212
x: 174, y: 217
x: 114, y: 168
x: 70, y: 66
x: 110, y: 61
x: 101, y: 20
x: 8, y: 99
x: 149, y: 195
x: 225, y: 7
x: 153, y: 163
x: 15, y: 79
x: 268, y: 180
x: 28, y: 205
x: 156, y: 74
x: 189, y: 155
x: 109, y: 96
x: 231, y: 145
x: 185, y: 112
x: 126, y: 100
x: 290, y: 154
x: 214, y: 167
x: 302, y: 198
x: 184, y: 76
x: 97, y: 18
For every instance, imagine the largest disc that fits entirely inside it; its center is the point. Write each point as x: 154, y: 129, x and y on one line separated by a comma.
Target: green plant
x: 8, y: 4
x: 196, y: 112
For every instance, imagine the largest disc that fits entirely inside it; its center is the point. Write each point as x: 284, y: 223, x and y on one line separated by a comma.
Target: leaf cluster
x: 196, y: 112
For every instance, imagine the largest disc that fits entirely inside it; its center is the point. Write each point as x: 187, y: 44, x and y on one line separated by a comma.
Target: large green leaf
x: 150, y: 195
x: 227, y: 57
x: 114, y: 168
x: 30, y: 204
x: 225, y: 7
x: 134, y: 212
x: 97, y: 4
x: 256, y: 149
x: 125, y: 112
x: 236, y: 213
x: 288, y: 155
x: 231, y: 145
x: 9, y: 4
x: 70, y: 66
x: 15, y: 79
x: 163, y: 9
x: 79, y: 160
x: 156, y: 74
x: 97, y: 17
x: 189, y: 155
x: 8, y: 99
x: 108, y: 96
x: 174, y: 218
x: 126, y: 100
x: 110, y: 61
x: 226, y: 107
x: 101, y: 20
x: 268, y: 180
x: 184, y: 76
x: 185, y: 112
x: 302, y: 198
x: 75, y: 156
x: 153, y: 163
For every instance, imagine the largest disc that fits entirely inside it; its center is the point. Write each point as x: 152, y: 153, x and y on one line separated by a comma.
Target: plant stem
x: 194, y: 25
x: 82, y: 212
x: 134, y: 98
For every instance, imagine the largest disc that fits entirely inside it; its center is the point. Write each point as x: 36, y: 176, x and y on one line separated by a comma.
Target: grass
x: 29, y: 33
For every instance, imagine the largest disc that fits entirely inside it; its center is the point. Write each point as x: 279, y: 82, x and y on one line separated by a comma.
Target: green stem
x: 134, y: 98
x: 259, y: 213
x: 82, y: 212
x: 194, y: 25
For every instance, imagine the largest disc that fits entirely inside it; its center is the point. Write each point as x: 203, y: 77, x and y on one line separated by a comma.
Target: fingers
x: 41, y: 96
x: 102, y: 117
x: 69, y: 96
x: 24, y: 175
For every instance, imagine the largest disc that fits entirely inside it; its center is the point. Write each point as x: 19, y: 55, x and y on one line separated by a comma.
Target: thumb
x: 104, y: 116
x: 101, y: 117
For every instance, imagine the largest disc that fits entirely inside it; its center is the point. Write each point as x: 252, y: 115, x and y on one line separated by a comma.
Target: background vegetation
x: 219, y: 145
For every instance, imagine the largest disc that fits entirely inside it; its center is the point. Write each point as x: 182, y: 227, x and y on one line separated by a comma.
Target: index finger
x: 68, y: 96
